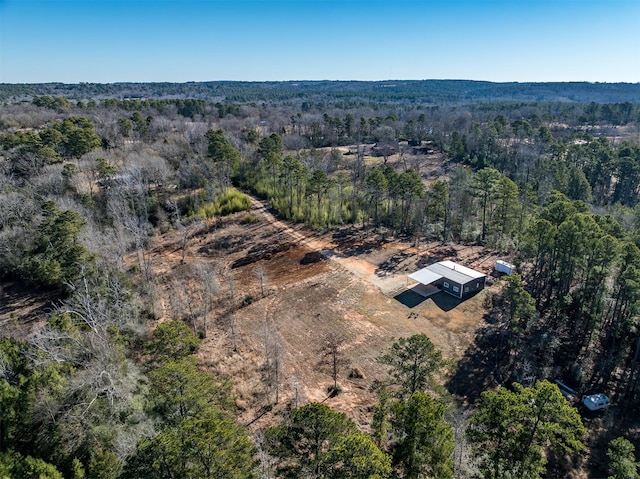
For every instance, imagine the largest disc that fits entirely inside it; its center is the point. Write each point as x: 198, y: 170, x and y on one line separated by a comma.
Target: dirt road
x: 388, y: 283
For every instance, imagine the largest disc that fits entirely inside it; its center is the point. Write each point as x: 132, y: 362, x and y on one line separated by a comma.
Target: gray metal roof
x: 472, y: 273
x: 455, y: 272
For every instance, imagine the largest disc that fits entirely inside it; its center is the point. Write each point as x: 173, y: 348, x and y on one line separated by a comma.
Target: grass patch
x: 229, y: 202
x: 250, y: 220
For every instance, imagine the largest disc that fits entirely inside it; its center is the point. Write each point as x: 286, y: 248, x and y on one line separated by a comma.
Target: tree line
x: 375, y: 92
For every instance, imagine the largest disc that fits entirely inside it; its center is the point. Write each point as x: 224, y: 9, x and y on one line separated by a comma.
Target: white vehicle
x: 594, y: 402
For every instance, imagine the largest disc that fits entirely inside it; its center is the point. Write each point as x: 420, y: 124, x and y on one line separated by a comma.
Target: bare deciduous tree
x: 102, y: 383
x: 208, y: 289
x: 261, y: 274
x: 464, y: 464
x: 272, y: 366
x: 333, y: 358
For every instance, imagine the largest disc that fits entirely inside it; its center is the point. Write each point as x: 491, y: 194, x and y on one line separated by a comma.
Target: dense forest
x: 545, y: 174
x: 416, y: 92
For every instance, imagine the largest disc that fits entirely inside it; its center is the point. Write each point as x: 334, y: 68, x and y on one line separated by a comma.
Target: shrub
x: 250, y: 219
x: 229, y: 202
x: 207, y: 211
x: 334, y: 390
x: 233, y: 201
x: 247, y: 300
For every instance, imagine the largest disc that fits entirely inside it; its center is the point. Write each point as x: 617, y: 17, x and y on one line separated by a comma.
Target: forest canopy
x: 110, y: 381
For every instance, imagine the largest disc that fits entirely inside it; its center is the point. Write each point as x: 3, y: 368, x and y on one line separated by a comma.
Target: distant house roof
x: 446, y: 269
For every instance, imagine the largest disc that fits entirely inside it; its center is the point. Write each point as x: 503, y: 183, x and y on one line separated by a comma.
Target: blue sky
x: 108, y: 41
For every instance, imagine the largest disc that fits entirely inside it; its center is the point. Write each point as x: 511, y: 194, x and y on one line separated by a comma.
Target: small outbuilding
x: 504, y: 267
x: 453, y: 278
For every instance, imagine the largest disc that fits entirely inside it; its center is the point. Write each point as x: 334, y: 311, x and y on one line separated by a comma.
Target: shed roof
x: 446, y: 269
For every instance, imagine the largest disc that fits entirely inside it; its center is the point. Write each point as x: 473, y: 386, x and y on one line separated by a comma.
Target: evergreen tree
x: 512, y: 430
x: 422, y: 442
x: 356, y: 456
x: 302, y: 444
x: 414, y: 362
x: 622, y: 460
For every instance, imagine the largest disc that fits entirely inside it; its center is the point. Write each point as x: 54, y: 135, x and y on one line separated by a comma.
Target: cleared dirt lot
x: 347, y: 283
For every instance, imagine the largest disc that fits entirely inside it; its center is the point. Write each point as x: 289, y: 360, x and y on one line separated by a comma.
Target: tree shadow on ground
x: 22, y: 304
x: 355, y: 242
x: 392, y: 264
x: 476, y: 371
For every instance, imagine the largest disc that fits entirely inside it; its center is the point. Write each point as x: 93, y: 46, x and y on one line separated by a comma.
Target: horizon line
x: 318, y: 81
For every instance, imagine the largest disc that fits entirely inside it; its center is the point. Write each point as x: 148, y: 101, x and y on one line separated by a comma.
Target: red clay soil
x: 343, y: 283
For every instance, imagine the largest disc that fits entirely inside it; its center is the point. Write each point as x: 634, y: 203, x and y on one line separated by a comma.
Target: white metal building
x: 451, y: 277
